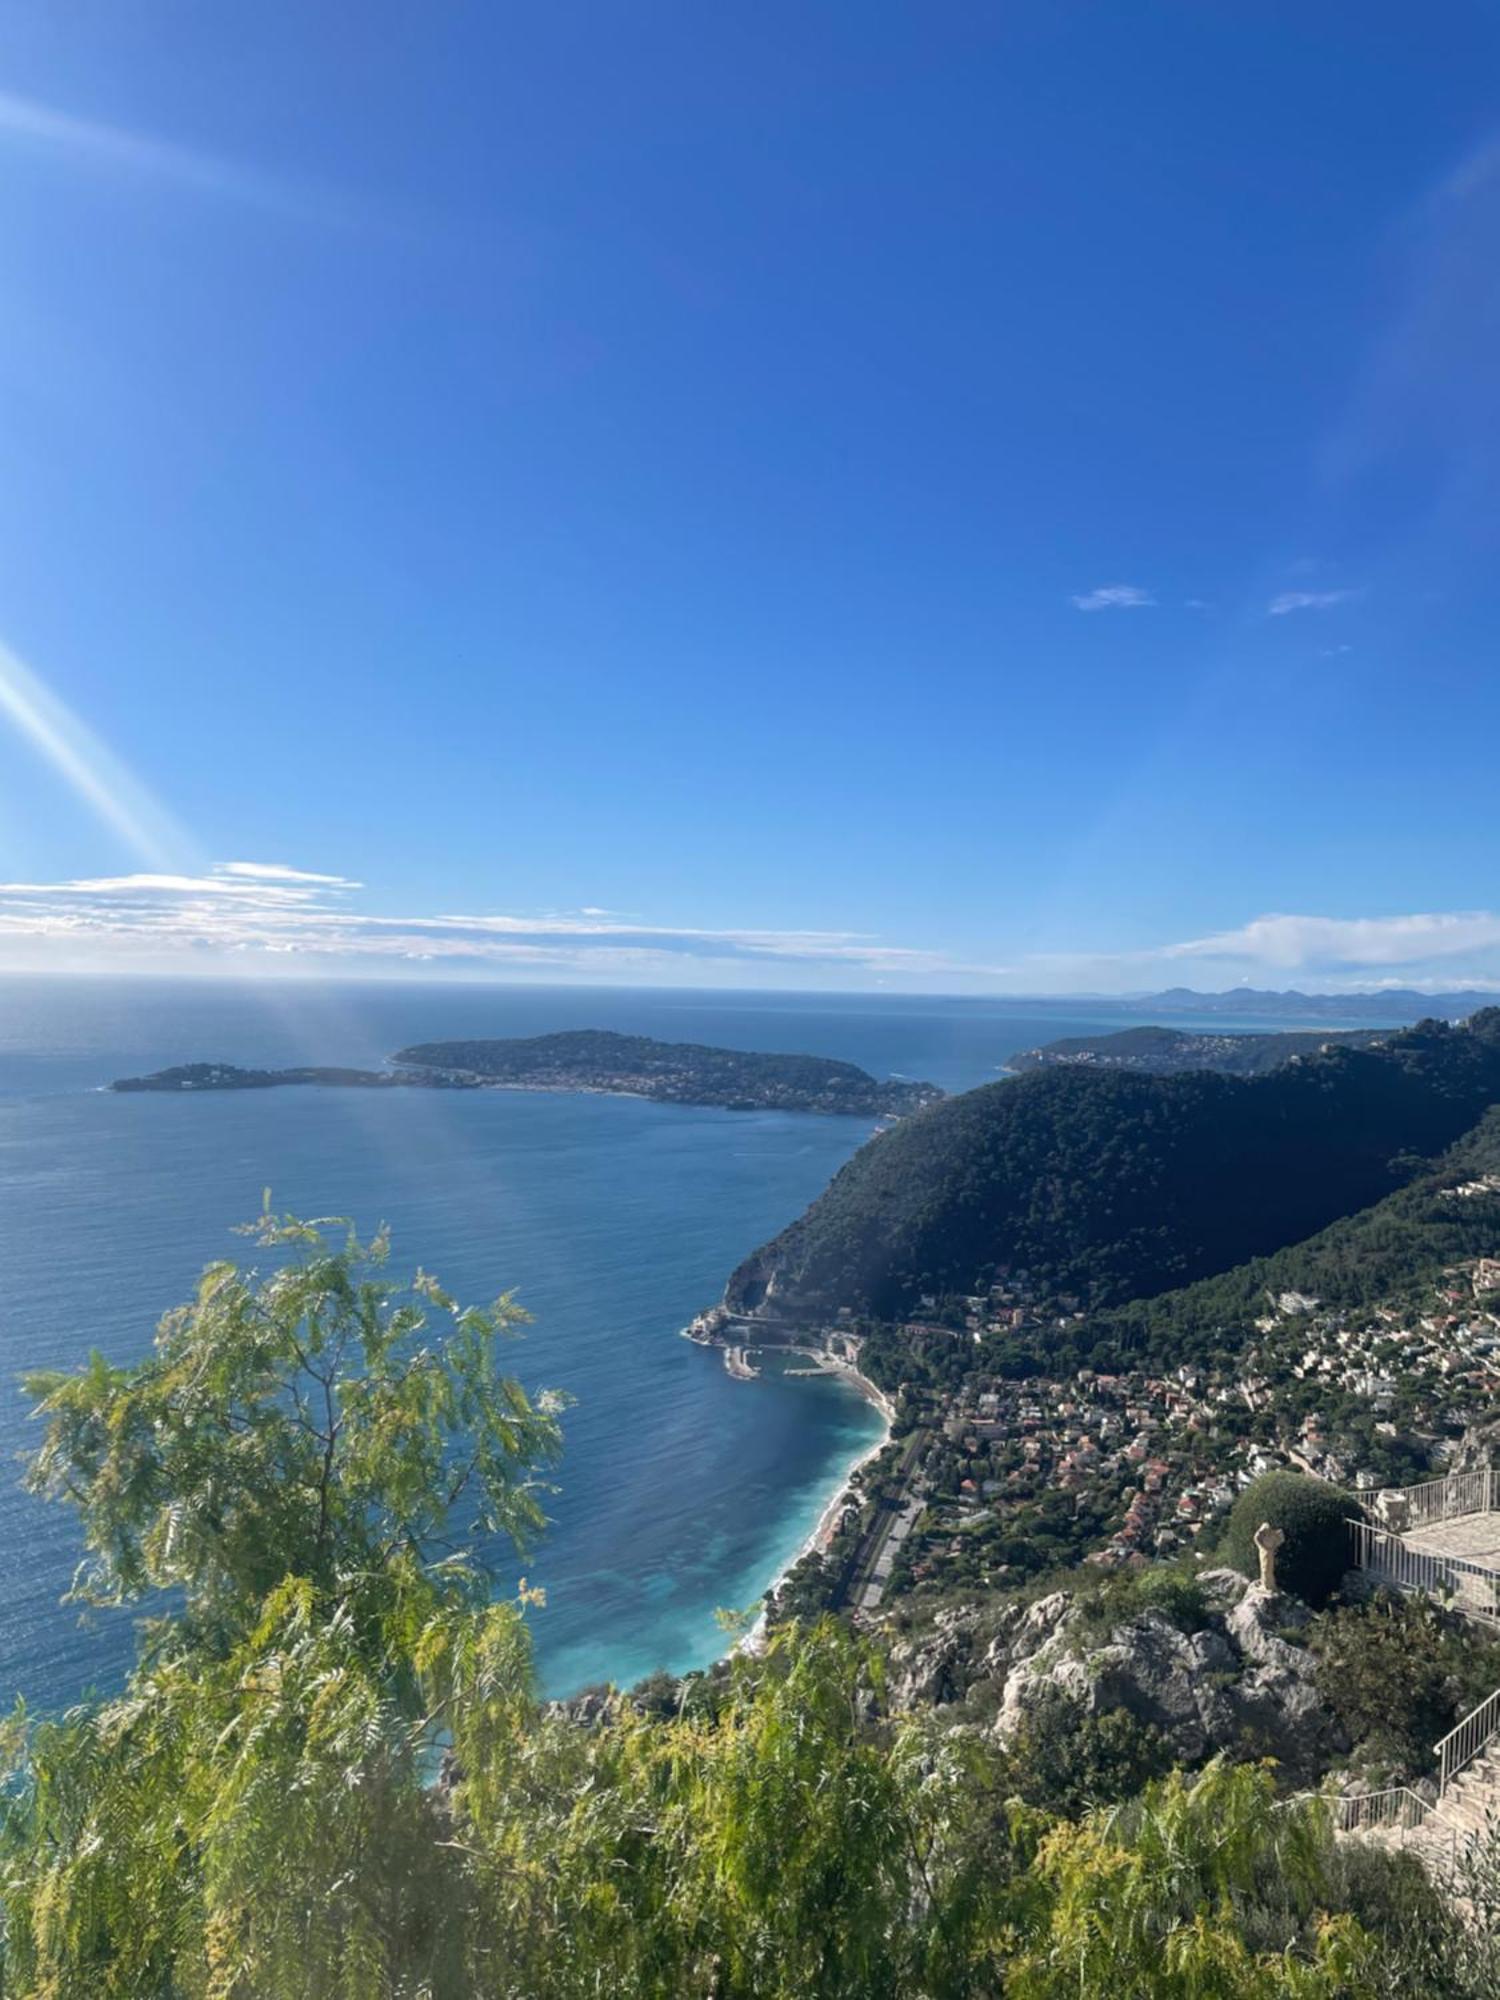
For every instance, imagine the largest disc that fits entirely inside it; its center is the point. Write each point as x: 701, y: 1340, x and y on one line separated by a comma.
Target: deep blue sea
x: 614, y: 1220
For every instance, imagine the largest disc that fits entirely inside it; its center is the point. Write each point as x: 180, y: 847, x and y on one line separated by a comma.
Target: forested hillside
x: 1106, y: 1187
x: 1382, y: 1254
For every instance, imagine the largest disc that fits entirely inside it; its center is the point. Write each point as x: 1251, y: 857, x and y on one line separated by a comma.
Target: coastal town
x: 987, y: 1480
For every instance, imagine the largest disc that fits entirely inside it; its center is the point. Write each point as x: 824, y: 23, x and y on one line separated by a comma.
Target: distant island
x: 592, y: 1060
x: 671, y: 1073
x: 1171, y: 1051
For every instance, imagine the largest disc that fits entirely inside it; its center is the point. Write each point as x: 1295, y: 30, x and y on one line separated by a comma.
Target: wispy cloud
x: 277, y: 871
x: 1290, y: 942
x: 240, y: 915
x: 1114, y: 597
x: 253, y: 908
x: 1307, y: 600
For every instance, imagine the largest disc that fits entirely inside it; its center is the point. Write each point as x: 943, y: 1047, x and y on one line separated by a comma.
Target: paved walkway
x: 1475, y: 1537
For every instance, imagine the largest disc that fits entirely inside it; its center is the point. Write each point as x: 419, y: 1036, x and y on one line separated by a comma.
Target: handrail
x: 1456, y: 1494
x: 1358, y: 1812
x: 1463, y: 1744
x: 1470, y: 1587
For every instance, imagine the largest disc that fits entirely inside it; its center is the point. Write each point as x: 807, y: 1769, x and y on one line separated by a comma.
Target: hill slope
x: 1113, y: 1186
x: 1382, y: 1255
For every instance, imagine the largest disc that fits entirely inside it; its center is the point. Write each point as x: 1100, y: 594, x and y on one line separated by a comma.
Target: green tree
x: 1313, y: 1518
x: 1400, y: 1672
x: 314, y: 1463
x: 1203, y: 1889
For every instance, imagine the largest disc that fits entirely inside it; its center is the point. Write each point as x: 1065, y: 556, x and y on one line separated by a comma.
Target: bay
x: 613, y: 1219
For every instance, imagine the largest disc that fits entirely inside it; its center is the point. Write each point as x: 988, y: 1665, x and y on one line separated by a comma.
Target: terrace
x: 1442, y: 1537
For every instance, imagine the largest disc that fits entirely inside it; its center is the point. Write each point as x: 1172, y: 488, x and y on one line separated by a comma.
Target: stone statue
x: 1268, y: 1540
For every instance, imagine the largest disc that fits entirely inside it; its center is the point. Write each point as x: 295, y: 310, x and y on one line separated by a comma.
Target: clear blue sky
x: 967, y: 497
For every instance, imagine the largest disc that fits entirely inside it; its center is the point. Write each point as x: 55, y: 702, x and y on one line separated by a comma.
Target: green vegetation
x: 1108, y: 1187
x: 1169, y: 1051
x: 229, y: 1076
x: 1382, y: 1255
x: 1068, y: 1760
x: 1400, y: 1672
x: 329, y: 1774
x: 1314, y: 1520
x: 674, y: 1072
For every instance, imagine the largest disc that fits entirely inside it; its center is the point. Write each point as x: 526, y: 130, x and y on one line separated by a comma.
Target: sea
x: 682, y: 1492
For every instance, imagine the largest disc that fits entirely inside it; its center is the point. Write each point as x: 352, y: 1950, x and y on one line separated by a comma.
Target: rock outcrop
x: 1235, y: 1683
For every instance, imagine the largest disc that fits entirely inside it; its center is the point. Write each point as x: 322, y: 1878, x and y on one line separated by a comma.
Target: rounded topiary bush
x: 1311, y: 1514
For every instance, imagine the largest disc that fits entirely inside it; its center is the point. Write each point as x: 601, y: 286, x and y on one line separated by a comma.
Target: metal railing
x: 1462, y: 1745
x: 1470, y: 1587
x: 1446, y: 1499
x: 1399, y: 1809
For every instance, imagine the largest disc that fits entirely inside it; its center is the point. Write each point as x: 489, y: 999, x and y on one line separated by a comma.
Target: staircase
x: 1467, y: 1814
x: 1441, y: 1538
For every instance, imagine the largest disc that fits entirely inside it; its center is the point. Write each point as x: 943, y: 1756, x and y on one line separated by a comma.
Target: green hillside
x: 1112, y: 1186
x: 1397, y: 1247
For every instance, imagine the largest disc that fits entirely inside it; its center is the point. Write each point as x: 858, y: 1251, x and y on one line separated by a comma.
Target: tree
x: 1312, y: 1516
x: 1202, y: 1887
x: 1400, y: 1672
x: 315, y: 1462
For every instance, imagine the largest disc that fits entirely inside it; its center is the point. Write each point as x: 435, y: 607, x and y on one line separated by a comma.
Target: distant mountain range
x: 1400, y: 1005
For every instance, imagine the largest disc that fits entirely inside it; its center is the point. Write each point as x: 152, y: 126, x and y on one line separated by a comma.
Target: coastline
x: 821, y: 1534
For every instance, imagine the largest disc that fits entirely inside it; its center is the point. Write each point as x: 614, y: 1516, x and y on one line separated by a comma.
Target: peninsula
x: 592, y: 1060
x: 1170, y: 1051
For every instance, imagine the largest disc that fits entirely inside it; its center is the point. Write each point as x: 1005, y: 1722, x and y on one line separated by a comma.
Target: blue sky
x: 952, y: 497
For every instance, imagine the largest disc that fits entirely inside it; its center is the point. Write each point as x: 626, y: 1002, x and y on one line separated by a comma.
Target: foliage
x: 680, y: 1072
x: 1313, y: 1518
x: 1380, y: 1255
x: 1165, y: 1051
x: 1201, y: 1887
x: 1109, y: 1599
x: 1112, y: 1186
x: 302, y: 1425
x: 1400, y: 1673
x: 1065, y: 1759
x: 316, y: 1463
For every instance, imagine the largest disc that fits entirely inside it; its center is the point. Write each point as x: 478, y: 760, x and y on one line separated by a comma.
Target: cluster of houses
x: 1149, y: 1461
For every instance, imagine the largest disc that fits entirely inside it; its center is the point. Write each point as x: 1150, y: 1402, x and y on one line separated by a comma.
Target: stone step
x: 1473, y: 1785
x: 1475, y: 1778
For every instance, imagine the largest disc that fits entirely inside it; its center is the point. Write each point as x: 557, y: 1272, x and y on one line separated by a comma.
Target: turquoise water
x: 614, y: 1220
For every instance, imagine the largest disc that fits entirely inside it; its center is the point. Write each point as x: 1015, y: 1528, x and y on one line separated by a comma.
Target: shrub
x: 1064, y: 1759
x: 1171, y: 1589
x: 1311, y: 1515
x: 1400, y: 1673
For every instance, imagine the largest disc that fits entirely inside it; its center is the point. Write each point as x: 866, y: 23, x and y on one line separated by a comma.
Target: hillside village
x: 991, y: 1480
